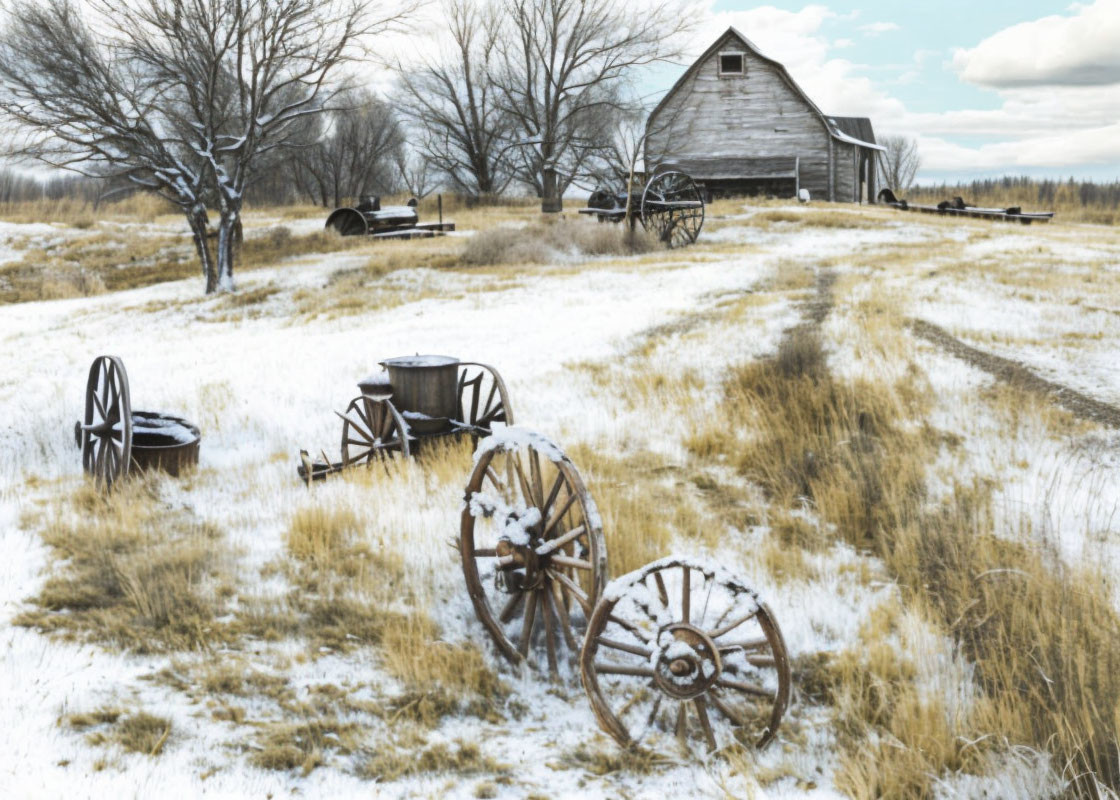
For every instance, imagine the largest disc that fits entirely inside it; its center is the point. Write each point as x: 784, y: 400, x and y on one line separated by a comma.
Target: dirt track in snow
x: 1015, y: 373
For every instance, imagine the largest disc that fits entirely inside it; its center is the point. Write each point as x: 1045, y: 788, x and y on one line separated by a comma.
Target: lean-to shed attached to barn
x: 737, y: 122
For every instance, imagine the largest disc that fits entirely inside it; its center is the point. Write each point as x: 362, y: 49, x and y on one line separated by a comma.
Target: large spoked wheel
x: 372, y: 427
x: 673, y: 208
x: 683, y: 648
x: 532, y: 549
x: 106, y: 430
x: 483, y: 399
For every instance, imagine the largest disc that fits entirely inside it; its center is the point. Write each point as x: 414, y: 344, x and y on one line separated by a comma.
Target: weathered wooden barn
x: 738, y: 122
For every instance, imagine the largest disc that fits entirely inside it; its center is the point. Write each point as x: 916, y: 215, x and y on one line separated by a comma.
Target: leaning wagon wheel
x: 370, y: 428
x: 673, y: 208
x: 683, y: 647
x: 483, y: 399
x: 106, y: 430
x: 532, y: 548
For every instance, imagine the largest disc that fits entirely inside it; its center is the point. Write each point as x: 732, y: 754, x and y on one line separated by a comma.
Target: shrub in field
x: 559, y: 240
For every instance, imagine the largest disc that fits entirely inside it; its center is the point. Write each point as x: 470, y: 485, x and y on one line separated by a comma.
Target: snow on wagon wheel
x: 532, y: 549
x: 372, y: 427
x: 106, y: 429
x: 684, y: 647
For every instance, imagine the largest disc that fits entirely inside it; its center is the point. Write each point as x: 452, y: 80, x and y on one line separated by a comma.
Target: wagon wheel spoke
x: 101, y: 412
x: 679, y: 658
x: 549, y: 628
x: 527, y: 625
x: 552, y: 493
x: 662, y: 592
x: 559, y: 514
x: 511, y: 607
x: 686, y: 595
x: 559, y: 603
x: 705, y: 723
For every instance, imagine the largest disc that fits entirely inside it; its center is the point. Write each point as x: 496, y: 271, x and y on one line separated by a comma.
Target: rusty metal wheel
x: 483, y: 399
x: 532, y: 549
x: 684, y: 647
x: 673, y: 208
x: 106, y: 429
x: 372, y: 427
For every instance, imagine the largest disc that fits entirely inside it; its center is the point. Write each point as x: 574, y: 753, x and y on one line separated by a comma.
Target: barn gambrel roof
x: 852, y: 130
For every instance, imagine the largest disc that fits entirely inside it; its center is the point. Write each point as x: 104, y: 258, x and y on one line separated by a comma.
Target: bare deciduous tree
x: 899, y: 163
x: 455, y: 109
x: 414, y: 172
x: 562, y: 62
x: 185, y: 98
x: 356, y: 155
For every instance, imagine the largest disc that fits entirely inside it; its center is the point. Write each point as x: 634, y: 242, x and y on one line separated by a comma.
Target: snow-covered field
x: 262, y: 382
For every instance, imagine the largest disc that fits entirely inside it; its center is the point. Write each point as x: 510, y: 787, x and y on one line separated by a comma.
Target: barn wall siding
x: 756, y: 115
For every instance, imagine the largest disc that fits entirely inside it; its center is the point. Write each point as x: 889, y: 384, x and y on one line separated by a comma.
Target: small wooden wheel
x: 106, y: 429
x: 371, y: 427
x: 532, y: 548
x: 673, y: 208
x: 685, y: 647
x: 483, y: 399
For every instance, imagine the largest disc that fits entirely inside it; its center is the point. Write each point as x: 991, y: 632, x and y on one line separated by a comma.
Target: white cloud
x: 839, y: 44
x: 1078, y: 50
x: 875, y: 28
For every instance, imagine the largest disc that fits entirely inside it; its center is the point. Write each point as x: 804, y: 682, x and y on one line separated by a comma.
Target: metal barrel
x: 424, y: 385
x: 163, y: 441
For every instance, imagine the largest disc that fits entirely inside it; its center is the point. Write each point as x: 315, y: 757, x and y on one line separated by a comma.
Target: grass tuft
x: 553, y: 241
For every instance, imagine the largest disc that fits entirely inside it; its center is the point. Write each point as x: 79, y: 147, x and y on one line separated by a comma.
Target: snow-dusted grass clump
x: 556, y: 241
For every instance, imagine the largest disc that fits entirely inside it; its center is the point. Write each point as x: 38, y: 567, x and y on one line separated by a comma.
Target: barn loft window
x: 730, y: 63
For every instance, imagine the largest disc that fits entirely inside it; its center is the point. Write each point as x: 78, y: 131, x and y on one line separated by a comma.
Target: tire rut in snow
x: 815, y: 310
x: 1015, y: 373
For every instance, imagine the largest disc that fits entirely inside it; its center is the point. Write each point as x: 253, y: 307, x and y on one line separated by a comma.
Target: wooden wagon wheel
x: 106, y: 429
x: 685, y: 647
x: 532, y: 548
x: 673, y: 208
x: 483, y: 399
x: 371, y: 427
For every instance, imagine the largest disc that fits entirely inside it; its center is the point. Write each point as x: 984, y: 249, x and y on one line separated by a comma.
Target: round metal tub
x: 425, y: 390
x: 163, y: 441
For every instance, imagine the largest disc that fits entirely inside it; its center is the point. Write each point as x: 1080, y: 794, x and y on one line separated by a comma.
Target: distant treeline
x: 1083, y: 201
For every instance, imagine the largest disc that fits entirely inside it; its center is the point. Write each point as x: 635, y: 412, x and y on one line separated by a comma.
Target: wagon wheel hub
x: 687, y: 662
x: 522, y: 560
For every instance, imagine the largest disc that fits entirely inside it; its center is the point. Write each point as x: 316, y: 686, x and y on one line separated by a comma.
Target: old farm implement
x: 114, y: 438
x: 678, y: 649
x: 670, y: 206
x: 959, y: 208
x: 414, y: 399
x: 370, y: 218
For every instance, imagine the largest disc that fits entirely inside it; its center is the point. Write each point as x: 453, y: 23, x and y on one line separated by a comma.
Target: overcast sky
x: 987, y: 87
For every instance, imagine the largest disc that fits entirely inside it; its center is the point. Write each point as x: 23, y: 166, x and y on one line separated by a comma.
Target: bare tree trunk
x: 229, y: 231
x: 199, y: 224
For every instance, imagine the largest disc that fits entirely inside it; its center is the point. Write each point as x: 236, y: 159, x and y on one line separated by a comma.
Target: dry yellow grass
x: 555, y: 239
x: 1045, y: 641
x: 129, y: 572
